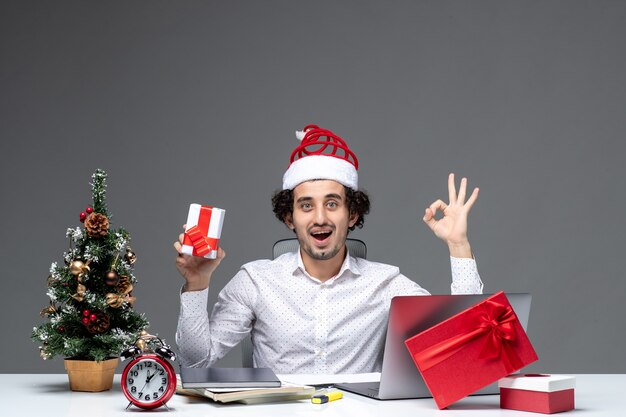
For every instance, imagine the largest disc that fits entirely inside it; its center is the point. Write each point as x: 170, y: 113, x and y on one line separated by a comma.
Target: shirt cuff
x: 194, y: 303
x: 468, y: 264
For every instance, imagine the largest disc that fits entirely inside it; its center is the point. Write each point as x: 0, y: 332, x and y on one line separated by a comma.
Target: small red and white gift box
x: 203, y: 231
x: 538, y: 393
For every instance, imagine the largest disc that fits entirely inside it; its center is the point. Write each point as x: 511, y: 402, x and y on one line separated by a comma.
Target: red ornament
x: 92, y: 317
x: 89, y: 210
x: 61, y: 329
x: 85, y: 320
x: 82, y: 216
x: 86, y: 313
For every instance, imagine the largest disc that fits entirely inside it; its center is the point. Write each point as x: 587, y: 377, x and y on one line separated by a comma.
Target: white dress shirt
x: 299, y: 324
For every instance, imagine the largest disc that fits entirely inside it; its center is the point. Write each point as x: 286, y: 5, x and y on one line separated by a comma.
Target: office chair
x: 356, y: 248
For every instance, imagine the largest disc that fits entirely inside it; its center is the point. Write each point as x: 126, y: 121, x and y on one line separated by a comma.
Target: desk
x: 48, y: 395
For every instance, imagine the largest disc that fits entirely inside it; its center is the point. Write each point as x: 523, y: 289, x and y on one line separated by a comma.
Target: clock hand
x: 151, y: 376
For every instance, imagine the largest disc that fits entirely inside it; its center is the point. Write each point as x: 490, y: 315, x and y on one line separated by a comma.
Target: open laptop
x: 409, y: 315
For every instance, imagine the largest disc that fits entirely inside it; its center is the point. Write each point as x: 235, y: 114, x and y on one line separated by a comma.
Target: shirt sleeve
x: 202, y: 340
x: 465, y: 278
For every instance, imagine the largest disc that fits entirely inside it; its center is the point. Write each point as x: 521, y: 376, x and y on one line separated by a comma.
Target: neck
x: 323, y: 269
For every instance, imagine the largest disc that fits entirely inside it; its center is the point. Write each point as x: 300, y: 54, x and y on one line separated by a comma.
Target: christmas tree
x: 91, y: 314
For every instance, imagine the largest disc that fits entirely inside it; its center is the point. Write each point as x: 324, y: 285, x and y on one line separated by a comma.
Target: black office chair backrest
x: 356, y: 247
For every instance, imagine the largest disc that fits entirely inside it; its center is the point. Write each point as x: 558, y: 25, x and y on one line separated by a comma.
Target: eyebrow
x: 327, y: 196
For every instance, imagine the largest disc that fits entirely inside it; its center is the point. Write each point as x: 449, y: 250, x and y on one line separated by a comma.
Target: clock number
x: 133, y: 389
x: 162, y: 372
x: 155, y: 395
x: 161, y: 389
x: 148, y: 364
x: 134, y: 373
x: 147, y: 397
x: 131, y: 381
x: 163, y: 380
x: 140, y: 394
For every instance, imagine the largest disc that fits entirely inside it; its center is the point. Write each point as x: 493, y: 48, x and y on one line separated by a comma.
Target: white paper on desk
x: 327, y: 379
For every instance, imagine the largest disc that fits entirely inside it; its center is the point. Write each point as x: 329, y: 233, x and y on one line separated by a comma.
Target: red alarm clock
x: 149, y: 379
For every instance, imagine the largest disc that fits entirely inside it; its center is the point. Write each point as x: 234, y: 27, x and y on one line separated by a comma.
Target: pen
x: 326, y: 398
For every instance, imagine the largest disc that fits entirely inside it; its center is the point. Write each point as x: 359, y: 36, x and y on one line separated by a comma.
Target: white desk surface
x: 48, y: 395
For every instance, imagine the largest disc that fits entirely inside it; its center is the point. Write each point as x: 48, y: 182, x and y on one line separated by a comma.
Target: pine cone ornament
x: 97, y: 225
x: 124, y: 286
x: 99, y: 324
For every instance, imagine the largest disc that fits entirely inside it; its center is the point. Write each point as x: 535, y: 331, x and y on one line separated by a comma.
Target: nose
x: 320, y: 215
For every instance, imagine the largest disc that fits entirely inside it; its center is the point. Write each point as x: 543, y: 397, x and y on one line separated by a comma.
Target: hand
x: 452, y: 227
x: 197, y: 271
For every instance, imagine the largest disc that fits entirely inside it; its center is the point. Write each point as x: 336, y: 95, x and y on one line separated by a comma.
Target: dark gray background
x: 197, y: 102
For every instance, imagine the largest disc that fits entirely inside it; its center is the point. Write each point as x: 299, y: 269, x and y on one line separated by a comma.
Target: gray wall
x: 197, y: 102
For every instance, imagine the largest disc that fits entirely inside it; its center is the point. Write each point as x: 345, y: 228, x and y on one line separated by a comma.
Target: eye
x: 305, y: 206
x: 332, y: 204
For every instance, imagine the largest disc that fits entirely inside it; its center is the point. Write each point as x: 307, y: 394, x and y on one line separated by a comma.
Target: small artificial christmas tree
x: 91, y: 314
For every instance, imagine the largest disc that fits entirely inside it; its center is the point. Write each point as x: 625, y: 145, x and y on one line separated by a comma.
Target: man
x: 318, y: 310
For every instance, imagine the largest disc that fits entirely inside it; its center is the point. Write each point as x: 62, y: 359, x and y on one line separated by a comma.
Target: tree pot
x: 89, y: 375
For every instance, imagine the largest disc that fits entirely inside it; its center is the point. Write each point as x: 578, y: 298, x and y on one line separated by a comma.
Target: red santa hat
x: 321, y: 155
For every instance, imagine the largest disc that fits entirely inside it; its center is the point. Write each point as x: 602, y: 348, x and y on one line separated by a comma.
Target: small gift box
x: 471, y: 349
x: 538, y: 393
x: 203, y: 231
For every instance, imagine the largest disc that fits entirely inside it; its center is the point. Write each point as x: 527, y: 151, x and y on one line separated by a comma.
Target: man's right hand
x: 197, y: 271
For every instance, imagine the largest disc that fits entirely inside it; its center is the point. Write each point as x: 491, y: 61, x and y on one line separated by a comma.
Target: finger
x: 438, y: 205
x: 221, y: 253
x: 185, y: 226
x: 429, y: 219
x: 462, y: 190
x: 181, y: 237
x: 178, y: 247
x: 451, y: 188
x: 472, y: 199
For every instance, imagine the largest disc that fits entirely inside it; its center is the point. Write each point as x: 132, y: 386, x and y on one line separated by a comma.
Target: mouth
x: 321, y: 236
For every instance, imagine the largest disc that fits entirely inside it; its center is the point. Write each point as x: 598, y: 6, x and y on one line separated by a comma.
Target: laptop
x: 409, y: 315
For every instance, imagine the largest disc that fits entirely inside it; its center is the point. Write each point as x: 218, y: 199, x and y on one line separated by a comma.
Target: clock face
x: 148, y: 381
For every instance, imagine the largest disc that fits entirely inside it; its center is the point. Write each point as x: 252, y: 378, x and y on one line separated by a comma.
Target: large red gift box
x: 538, y: 393
x: 471, y: 349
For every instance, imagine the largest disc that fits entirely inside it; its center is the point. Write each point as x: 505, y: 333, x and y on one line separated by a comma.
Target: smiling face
x: 320, y: 219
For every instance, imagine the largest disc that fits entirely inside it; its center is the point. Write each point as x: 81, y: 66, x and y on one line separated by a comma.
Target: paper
x: 328, y: 379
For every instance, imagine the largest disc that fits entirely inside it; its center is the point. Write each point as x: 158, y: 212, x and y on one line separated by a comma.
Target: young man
x: 318, y: 310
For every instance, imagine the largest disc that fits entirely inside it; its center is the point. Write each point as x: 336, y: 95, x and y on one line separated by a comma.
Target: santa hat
x: 321, y: 155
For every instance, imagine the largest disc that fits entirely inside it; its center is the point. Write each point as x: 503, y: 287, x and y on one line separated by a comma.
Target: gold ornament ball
x: 76, y: 267
x: 130, y: 257
x: 112, y: 278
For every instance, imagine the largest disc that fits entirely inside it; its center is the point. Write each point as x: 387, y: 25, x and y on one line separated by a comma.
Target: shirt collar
x: 348, y: 267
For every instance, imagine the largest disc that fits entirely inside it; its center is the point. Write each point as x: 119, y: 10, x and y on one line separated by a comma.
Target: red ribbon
x: 493, y: 322
x: 196, y: 236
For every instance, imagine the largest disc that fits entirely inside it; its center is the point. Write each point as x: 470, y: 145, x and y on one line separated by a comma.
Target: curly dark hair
x: 358, y: 202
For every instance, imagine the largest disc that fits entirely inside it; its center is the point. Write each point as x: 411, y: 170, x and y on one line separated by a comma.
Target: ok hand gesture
x: 452, y: 227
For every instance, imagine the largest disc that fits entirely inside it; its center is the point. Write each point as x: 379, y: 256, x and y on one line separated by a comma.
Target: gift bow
x: 116, y: 300
x: 494, y: 322
x: 197, y: 234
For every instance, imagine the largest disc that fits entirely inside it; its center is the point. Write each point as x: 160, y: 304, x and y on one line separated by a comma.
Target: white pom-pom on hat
x: 300, y: 134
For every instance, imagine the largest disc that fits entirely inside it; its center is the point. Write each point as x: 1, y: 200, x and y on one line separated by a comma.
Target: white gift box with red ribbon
x: 538, y: 393
x: 203, y: 231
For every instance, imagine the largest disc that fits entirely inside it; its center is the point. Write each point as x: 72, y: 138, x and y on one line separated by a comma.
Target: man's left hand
x: 452, y: 227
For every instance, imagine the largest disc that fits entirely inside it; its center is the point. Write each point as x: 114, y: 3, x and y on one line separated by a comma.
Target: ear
x: 353, y: 219
x: 289, y: 221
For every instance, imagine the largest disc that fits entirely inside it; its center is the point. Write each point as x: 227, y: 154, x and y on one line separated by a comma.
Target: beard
x: 325, y: 253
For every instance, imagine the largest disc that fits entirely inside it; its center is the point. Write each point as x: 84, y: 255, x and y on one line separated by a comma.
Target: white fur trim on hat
x: 321, y: 167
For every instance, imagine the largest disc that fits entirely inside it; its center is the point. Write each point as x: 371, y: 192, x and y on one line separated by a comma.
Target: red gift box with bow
x: 471, y: 349
x: 203, y: 231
